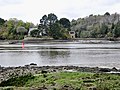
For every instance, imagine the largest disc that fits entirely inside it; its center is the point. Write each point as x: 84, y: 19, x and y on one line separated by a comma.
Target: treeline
x: 50, y: 26
x: 93, y: 26
x: 14, y: 29
x: 97, y: 26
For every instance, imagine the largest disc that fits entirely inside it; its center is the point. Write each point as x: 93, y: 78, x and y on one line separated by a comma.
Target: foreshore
x: 8, y: 72
x: 81, y: 40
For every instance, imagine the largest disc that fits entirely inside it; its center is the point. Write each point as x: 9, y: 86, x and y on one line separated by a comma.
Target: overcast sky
x: 33, y: 10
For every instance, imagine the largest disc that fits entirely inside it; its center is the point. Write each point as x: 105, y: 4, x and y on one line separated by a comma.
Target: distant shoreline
x: 81, y: 40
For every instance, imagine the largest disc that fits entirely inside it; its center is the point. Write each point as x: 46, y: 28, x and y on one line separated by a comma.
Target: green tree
x: 116, y: 31
x: 46, y: 23
x: 85, y: 34
x: 59, y: 32
x: 103, y: 30
x: 20, y: 24
x: 52, y: 18
x: 2, y: 21
x: 17, y: 28
x: 107, y: 13
x: 27, y: 25
x: 44, y: 20
x: 35, y: 33
x: 4, y: 33
x: 43, y: 26
x: 55, y: 31
x: 21, y: 30
x: 11, y: 27
x: 65, y: 22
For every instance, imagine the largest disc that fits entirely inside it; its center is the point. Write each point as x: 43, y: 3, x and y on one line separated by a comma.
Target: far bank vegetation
x: 93, y: 26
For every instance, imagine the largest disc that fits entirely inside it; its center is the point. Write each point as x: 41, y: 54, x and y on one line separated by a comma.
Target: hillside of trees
x: 97, y: 26
x: 93, y: 26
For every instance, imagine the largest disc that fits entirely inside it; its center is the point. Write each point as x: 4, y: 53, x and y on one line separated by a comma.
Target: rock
x: 42, y: 88
x: 43, y: 71
x: 114, y: 69
x: 67, y: 87
x: 92, y: 88
x: 33, y: 64
x: 104, y: 70
x: 13, y: 42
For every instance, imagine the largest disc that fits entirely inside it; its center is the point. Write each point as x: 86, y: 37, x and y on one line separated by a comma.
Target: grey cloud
x: 110, y: 2
x: 10, y: 2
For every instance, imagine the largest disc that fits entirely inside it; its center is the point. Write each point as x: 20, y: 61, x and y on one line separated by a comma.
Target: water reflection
x: 54, y: 57
x: 54, y: 54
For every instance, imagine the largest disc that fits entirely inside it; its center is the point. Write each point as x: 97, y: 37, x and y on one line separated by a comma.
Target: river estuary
x: 61, y: 53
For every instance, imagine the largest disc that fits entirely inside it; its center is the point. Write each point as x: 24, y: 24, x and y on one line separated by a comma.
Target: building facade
x: 72, y: 34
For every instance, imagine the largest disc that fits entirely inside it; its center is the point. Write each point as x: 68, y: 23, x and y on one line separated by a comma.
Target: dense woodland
x: 13, y: 29
x: 97, y: 26
x: 92, y: 26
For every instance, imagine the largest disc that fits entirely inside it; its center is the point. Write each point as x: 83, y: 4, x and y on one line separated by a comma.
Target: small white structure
x: 72, y: 34
x: 31, y: 29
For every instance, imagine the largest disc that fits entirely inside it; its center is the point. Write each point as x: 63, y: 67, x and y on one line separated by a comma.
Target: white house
x: 31, y: 29
x: 72, y: 34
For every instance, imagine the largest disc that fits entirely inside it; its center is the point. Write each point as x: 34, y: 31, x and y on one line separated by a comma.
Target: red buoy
x: 22, y: 44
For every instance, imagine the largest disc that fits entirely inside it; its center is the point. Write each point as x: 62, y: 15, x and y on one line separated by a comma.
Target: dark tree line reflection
x: 54, y: 54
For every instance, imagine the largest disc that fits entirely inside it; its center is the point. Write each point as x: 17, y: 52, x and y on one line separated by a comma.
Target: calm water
x: 61, y: 53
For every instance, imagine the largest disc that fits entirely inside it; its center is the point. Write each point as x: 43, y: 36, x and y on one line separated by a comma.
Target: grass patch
x: 67, y: 80
x: 17, y: 81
